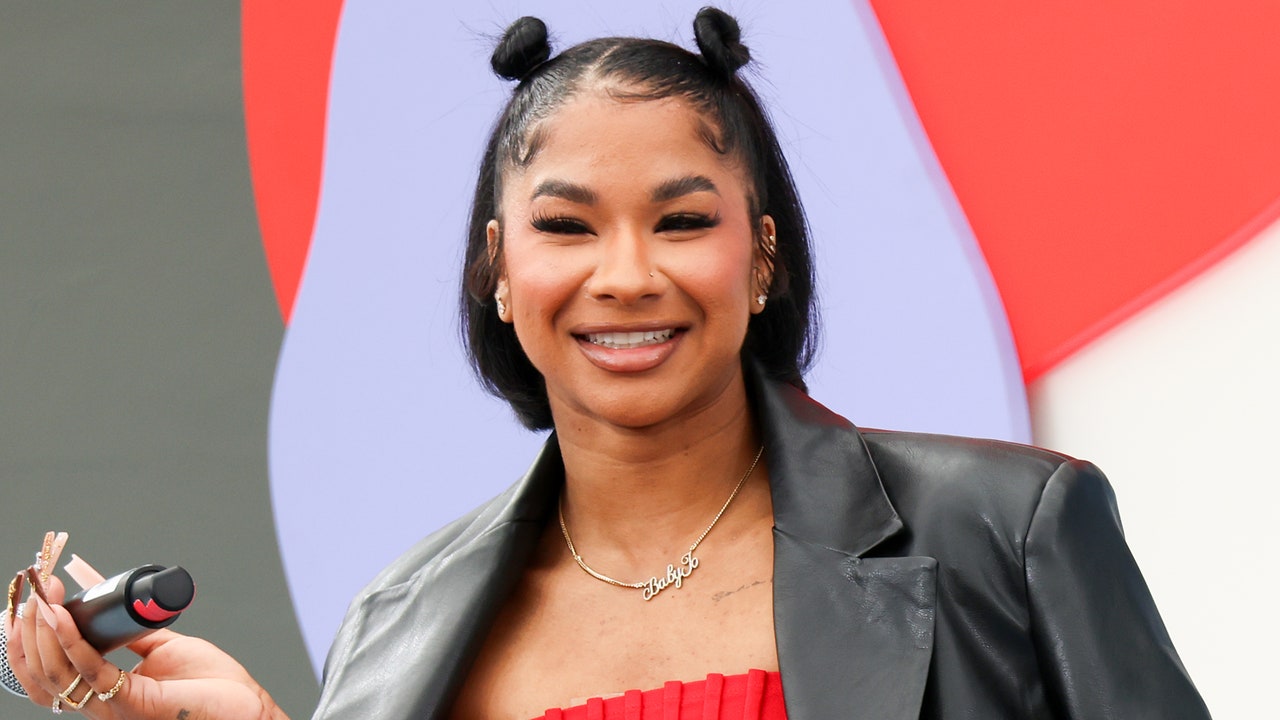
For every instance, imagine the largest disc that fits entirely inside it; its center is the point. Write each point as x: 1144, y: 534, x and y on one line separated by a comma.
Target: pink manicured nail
x: 45, y: 551
x: 55, y: 554
x: 82, y: 572
x: 46, y: 612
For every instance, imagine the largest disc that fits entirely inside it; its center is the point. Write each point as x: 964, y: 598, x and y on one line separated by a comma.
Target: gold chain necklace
x: 675, y: 574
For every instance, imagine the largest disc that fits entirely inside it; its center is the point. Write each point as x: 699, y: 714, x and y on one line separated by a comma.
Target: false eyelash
x: 557, y: 224
x: 688, y: 221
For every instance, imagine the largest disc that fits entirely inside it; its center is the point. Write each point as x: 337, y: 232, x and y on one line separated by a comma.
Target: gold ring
x: 65, y: 695
x: 114, y: 689
x: 74, y: 684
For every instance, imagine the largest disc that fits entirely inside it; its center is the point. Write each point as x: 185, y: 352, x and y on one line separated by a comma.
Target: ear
x: 762, y: 263
x: 501, y: 293
x: 493, y: 241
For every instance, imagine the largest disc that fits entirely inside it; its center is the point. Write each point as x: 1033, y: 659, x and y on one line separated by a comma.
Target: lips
x: 629, y: 350
x: 629, y: 340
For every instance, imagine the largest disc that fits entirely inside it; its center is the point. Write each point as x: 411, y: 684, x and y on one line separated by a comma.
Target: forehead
x: 594, y: 136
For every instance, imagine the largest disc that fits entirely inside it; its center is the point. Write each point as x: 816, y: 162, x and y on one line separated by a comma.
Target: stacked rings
x: 65, y: 696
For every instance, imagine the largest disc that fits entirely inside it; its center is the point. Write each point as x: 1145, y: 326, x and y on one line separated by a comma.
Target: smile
x: 629, y: 340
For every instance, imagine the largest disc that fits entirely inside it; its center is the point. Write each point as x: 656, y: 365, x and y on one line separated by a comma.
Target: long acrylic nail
x: 45, y: 552
x: 37, y: 587
x: 82, y: 572
x: 46, y: 612
x: 15, y: 596
x: 55, y: 554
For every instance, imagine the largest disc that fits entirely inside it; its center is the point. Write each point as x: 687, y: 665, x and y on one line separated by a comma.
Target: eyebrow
x: 565, y: 189
x: 679, y: 187
x: 668, y: 190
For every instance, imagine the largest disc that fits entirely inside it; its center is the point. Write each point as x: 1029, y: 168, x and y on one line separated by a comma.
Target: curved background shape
x: 1105, y: 153
x: 379, y: 435
x: 286, y: 53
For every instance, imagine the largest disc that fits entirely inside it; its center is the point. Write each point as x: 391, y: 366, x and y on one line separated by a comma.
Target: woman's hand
x: 179, y: 677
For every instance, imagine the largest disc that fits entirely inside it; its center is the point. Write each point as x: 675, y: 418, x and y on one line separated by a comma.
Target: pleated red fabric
x: 754, y: 695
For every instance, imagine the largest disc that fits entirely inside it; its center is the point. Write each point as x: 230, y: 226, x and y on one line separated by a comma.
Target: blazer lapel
x: 854, y: 632
x: 855, y: 635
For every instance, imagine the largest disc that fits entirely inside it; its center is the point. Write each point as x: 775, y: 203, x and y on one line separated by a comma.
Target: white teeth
x: 626, y: 340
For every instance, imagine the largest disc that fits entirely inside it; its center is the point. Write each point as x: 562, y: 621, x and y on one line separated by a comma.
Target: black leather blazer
x: 915, y: 576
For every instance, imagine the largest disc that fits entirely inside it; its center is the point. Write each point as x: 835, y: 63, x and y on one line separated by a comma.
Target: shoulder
x: 942, y: 458
x: 950, y: 488
x: 527, y: 500
x: 393, y: 597
x: 436, y: 546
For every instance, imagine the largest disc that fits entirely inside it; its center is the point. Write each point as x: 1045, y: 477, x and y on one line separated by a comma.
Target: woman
x: 638, y: 278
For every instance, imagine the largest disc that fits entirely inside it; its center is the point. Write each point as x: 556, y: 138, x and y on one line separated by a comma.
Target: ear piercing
x: 502, y: 307
x: 761, y: 298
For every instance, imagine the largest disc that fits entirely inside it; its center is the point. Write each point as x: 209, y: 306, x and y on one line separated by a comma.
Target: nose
x: 625, y: 270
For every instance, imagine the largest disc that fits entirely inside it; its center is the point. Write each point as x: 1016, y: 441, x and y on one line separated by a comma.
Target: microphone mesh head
x: 7, y: 678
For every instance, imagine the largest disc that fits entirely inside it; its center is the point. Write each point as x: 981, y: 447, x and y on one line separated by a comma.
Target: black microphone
x: 121, y: 609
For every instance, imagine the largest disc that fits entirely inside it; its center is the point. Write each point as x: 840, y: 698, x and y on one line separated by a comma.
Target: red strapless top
x: 756, y: 695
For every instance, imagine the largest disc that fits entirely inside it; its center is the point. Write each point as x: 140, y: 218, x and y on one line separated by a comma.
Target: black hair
x: 782, y: 338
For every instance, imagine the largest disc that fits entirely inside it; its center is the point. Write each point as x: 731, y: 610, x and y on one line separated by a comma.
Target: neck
x: 636, y: 496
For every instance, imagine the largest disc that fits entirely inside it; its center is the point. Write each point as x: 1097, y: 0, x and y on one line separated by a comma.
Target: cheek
x: 540, y: 288
x: 716, y: 275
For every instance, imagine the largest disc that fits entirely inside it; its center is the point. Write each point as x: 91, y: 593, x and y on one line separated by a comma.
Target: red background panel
x: 287, y: 51
x: 1103, y: 152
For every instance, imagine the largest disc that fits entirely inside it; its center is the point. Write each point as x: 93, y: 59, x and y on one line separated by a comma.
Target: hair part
x: 783, y: 337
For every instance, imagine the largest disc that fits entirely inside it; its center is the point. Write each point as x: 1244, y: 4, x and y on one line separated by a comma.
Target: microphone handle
x: 109, y: 614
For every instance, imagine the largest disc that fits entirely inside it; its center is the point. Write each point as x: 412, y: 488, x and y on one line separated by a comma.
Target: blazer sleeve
x: 1103, y: 649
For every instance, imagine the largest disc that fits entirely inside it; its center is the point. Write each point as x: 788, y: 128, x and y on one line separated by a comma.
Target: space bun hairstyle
x: 719, y: 40
x: 523, y: 47
x: 782, y: 338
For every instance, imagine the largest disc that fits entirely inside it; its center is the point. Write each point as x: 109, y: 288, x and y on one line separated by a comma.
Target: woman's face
x: 627, y: 262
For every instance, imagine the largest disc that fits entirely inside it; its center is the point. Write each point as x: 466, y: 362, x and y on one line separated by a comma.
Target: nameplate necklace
x: 676, y: 573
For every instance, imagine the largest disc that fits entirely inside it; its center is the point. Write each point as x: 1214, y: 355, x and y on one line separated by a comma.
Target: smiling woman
x: 638, y: 278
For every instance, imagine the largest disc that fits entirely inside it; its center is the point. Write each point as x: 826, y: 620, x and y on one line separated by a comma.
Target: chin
x: 634, y: 416
x: 642, y: 411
